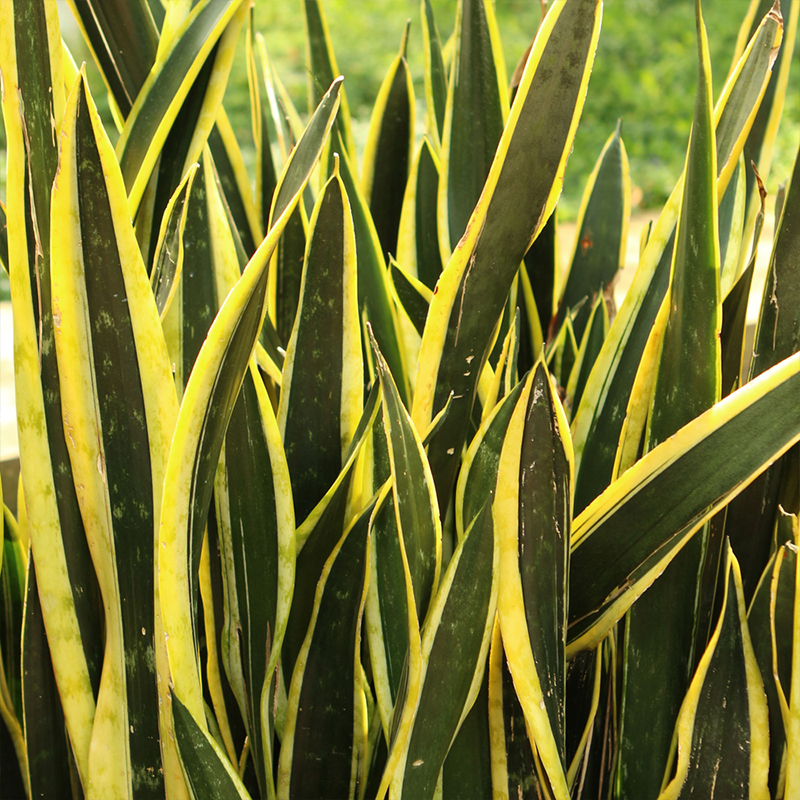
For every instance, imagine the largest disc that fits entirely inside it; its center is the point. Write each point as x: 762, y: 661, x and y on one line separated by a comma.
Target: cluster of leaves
x: 328, y: 489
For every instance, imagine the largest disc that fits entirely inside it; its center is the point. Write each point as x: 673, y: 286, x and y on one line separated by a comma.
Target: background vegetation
x: 645, y: 61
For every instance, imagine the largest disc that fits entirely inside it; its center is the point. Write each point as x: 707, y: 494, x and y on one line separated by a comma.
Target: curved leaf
x: 455, y: 644
x: 597, y: 424
x: 689, y: 477
x: 205, y: 412
x: 169, y: 82
x: 388, y: 150
x: 601, y: 231
x: 532, y: 515
x: 120, y: 407
x: 58, y: 539
x: 208, y: 772
x: 324, y: 696
x: 477, y: 107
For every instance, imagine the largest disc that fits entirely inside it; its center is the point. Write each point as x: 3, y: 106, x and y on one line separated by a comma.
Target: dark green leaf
x: 322, y: 741
x: 454, y: 647
x: 435, y: 75
x: 388, y: 150
x: 206, y: 772
x: 502, y: 228
x: 600, y: 239
x: 475, y: 121
x: 688, y: 478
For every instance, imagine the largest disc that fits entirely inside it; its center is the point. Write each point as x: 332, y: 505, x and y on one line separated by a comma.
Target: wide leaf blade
x: 597, y: 424
x: 723, y: 720
x: 324, y: 697
x: 120, y: 401
x: 532, y: 515
x: 477, y: 106
x: 323, y: 374
x: 700, y: 469
x: 31, y: 63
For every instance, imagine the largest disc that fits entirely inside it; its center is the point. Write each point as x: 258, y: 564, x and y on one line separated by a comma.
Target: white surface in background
x: 8, y: 420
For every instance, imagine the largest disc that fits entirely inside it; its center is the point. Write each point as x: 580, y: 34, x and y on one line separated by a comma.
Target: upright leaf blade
x: 321, y: 396
x: 454, y: 649
x: 597, y: 424
x: 208, y: 772
x: 205, y: 412
x: 322, y: 70
x: 256, y: 526
x: 435, y: 75
x: 169, y: 82
x: 506, y: 220
x: 413, y: 491
x: 387, y: 153
x: 31, y: 63
x: 661, y: 628
x: 477, y: 106
x: 723, y: 719
x: 601, y: 231
x: 120, y: 406
x: 324, y: 696
x: 532, y: 514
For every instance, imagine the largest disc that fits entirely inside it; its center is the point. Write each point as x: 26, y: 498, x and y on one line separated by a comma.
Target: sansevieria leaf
x: 504, y: 223
x: 772, y: 625
x: 318, y: 534
x: 325, y: 697
x: 418, y: 239
x: 207, y: 405
x: 724, y: 716
x: 48, y: 749
x: 750, y: 525
x: 516, y: 772
x: 762, y: 137
x: 163, y: 92
x: 323, y: 375
x: 532, y: 513
x: 455, y: 644
x: 408, y: 553
x: 435, y: 76
x: 207, y: 771
x: 388, y: 151
x: 700, y: 469
x: 601, y: 231
x: 119, y: 406
x: 322, y: 71
x: 598, y: 422
x: 255, y: 519
x: 13, y: 567
x: 33, y: 107
x: 168, y: 262
x: 477, y: 107
x: 413, y: 491
x: 661, y: 628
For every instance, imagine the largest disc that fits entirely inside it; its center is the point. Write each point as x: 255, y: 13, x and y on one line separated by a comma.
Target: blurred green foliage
x: 645, y: 73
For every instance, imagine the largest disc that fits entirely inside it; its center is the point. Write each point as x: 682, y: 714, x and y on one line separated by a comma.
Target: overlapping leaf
x: 597, y: 424
x: 508, y: 217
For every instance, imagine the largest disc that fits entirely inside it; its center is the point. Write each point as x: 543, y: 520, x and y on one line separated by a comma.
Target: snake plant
x: 332, y: 485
